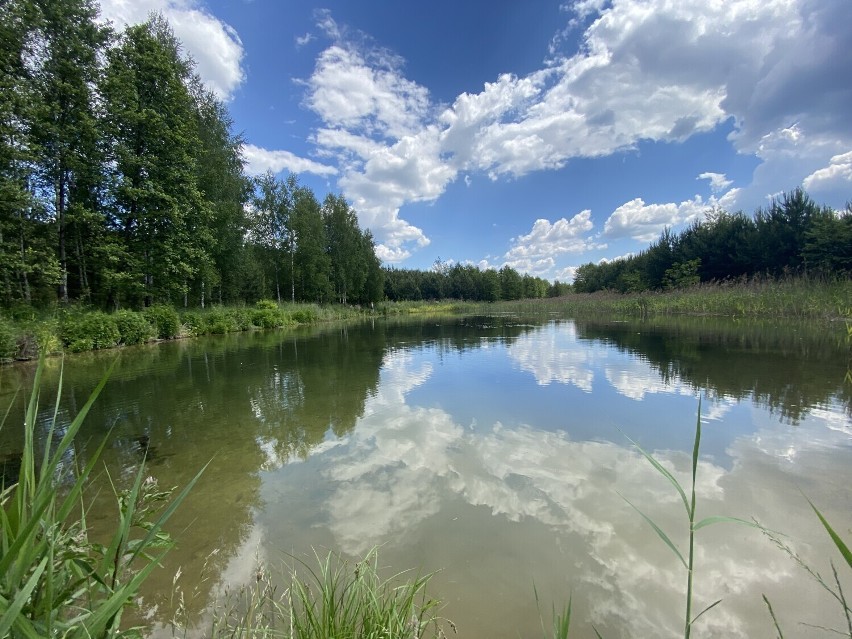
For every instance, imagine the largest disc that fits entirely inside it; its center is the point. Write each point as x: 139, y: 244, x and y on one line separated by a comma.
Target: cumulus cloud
x: 644, y: 222
x: 836, y: 176
x: 651, y: 70
x: 536, y: 252
x: 214, y: 45
x: 259, y: 160
x: 718, y: 181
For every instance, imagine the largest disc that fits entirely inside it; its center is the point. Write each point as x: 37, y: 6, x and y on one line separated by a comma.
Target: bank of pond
x: 26, y: 332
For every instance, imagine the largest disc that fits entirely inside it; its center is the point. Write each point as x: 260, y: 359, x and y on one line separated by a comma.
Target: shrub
x: 164, y: 319
x: 242, y: 318
x: 8, y: 342
x: 194, y: 323
x: 266, y: 305
x: 267, y: 318
x: 89, y: 330
x: 221, y: 322
x: 304, y: 315
x: 133, y: 327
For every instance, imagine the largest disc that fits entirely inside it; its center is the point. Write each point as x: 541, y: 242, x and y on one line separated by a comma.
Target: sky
x: 541, y: 134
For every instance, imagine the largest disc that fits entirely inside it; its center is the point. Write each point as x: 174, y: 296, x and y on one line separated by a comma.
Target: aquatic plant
x: 694, y: 526
x: 54, y: 580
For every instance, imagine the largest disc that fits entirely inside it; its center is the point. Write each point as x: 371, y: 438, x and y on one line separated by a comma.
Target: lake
x: 496, y: 451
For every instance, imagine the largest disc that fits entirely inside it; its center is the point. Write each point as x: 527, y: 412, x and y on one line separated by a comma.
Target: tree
x: 312, y: 263
x: 223, y: 185
x: 65, y: 126
x: 156, y: 203
x: 345, y: 248
x: 272, y: 225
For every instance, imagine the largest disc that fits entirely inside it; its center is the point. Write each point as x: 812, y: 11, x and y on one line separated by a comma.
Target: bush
x: 8, y: 341
x: 88, y: 331
x: 266, y: 305
x: 304, y: 315
x: 164, y: 319
x: 133, y: 327
x: 242, y: 318
x: 267, y: 318
x: 221, y: 322
x: 194, y: 323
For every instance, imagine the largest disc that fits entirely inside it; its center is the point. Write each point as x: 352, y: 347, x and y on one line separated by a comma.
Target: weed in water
x: 694, y: 526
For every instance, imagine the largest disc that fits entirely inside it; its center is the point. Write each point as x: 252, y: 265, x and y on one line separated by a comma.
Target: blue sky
x: 539, y: 134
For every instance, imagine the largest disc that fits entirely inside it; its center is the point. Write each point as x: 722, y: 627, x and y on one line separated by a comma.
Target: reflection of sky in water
x: 503, y: 465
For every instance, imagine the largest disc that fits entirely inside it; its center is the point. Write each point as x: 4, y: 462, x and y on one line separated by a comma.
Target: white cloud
x: 304, y: 39
x: 535, y: 252
x: 644, y: 222
x: 214, y: 45
x: 260, y: 160
x: 836, y: 176
x: 718, y: 181
x: 651, y: 70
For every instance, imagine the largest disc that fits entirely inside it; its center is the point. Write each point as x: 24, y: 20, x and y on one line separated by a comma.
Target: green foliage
x: 133, y: 327
x: 164, y: 319
x: 267, y: 318
x: 194, y: 323
x: 92, y: 330
x: 304, y: 315
x: 682, y: 274
x: 54, y: 580
x: 8, y: 342
x: 266, y: 305
x: 220, y: 322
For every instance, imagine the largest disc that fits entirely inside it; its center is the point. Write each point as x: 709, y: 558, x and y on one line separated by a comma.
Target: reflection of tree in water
x: 313, y: 386
x: 790, y: 368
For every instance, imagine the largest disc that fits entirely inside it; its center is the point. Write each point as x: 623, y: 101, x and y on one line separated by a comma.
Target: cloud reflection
x: 403, y: 464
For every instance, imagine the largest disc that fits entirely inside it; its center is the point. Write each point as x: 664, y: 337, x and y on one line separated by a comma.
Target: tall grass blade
x: 841, y: 546
x: 712, y: 605
x: 722, y: 519
x: 658, y: 530
x: 663, y: 472
x: 12, y: 611
x: 774, y: 618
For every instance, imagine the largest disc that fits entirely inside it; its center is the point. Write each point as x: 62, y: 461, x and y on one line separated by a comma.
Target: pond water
x: 496, y: 451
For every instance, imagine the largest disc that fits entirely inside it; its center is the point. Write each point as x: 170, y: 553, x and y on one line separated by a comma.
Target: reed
x: 694, y: 526
x: 54, y: 580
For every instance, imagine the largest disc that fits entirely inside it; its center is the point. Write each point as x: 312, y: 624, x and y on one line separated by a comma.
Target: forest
x: 122, y: 184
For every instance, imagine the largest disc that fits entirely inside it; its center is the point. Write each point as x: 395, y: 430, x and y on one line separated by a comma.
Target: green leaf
x: 721, y: 519
x: 664, y: 472
x: 659, y: 531
x: 842, y: 547
x: 712, y: 605
x: 11, y: 612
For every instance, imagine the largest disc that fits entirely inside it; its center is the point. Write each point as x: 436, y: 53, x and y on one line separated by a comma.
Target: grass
x: 54, y: 580
x: 326, y: 598
x: 793, y: 297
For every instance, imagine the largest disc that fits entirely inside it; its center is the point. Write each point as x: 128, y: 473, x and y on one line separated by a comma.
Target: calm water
x: 496, y: 451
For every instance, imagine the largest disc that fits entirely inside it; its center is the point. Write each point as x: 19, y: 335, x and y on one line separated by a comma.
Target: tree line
x: 467, y: 282
x: 122, y: 183
x: 793, y: 235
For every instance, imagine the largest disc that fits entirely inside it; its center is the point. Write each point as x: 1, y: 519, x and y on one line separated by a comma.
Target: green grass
x: 54, y: 580
x: 326, y: 598
x: 794, y: 298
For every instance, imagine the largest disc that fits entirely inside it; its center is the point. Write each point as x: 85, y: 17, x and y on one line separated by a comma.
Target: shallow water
x: 495, y: 451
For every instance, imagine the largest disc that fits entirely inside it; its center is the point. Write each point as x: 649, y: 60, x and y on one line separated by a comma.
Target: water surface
x: 497, y: 452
